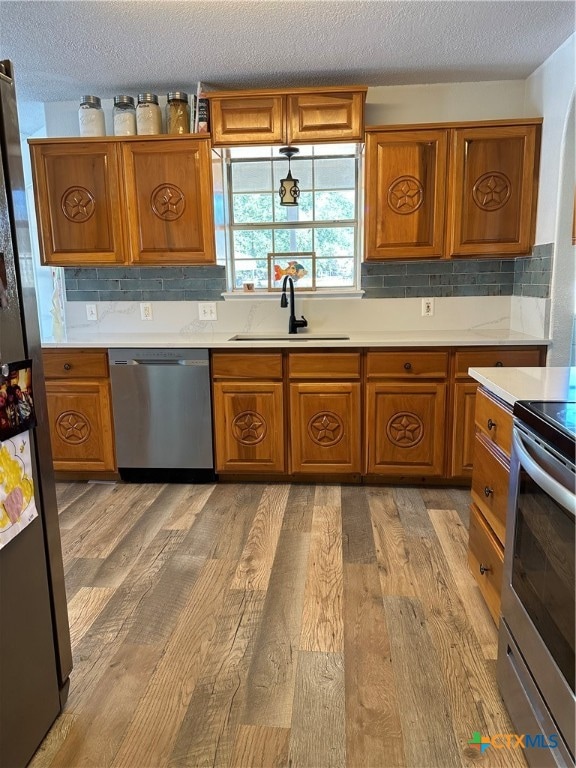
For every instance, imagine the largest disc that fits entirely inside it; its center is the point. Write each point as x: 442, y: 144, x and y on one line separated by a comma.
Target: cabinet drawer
x: 490, y: 479
x: 494, y: 421
x: 486, y: 561
x: 497, y: 357
x: 262, y: 365
x: 75, y: 363
x: 331, y: 365
x: 430, y: 365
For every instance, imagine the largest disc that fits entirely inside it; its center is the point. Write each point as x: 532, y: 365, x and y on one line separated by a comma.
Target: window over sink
x: 326, y: 222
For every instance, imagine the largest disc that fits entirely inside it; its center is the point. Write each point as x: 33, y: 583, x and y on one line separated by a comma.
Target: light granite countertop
x: 512, y: 384
x: 210, y: 340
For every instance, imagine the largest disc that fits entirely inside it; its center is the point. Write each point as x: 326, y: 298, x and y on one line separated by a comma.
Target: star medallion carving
x: 491, y: 191
x: 326, y: 428
x: 73, y: 427
x: 168, y: 202
x: 77, y: 204
x: 406, y: 195
x: 249, y: 428
x: 405, y: 429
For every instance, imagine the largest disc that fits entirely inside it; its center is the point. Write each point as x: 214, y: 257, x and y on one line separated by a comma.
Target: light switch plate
x: 91, y: 312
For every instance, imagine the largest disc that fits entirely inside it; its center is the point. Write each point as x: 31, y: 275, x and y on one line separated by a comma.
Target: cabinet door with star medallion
x: 325, y: 427
x: 79, y: 410
x: 81, y: 425
x: 405, y: 194
x: 249, y: 426
x: 169, y: 200
x: 79, y: 201
x: 493, y: 184
x: 405, y: 427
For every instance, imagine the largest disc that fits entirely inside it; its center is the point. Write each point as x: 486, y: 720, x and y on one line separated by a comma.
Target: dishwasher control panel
x: 143, y: 355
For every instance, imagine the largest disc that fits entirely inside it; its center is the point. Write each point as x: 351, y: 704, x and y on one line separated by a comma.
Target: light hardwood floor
x: 273, y: 625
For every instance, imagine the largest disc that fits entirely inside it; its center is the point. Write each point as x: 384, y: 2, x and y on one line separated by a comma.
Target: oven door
x: 538, y: 586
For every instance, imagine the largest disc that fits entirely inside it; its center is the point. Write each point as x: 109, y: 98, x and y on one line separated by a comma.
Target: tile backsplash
x: 526, y: 276
x: 145, y: 283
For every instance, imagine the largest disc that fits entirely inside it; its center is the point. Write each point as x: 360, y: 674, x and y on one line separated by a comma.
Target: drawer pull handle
x: 488, y: 491
x: 408, y: 366
x: 67, y: 367
x: 485, y: 569
x: 491, y: 424
x: 499, y: 364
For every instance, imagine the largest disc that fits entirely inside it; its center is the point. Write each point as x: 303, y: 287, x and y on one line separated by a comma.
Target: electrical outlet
x: 91, y: 311
x: 427, y: 307
x: 145, y: 310
x: 207, y: 310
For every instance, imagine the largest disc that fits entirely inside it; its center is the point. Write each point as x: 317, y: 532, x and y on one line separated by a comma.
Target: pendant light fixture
x: 289, y: 191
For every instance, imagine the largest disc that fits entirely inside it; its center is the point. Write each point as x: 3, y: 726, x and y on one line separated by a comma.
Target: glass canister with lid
x: 91, y: 117
x: 148, y: 115
x: 177, y: 113
x: 124, y: 116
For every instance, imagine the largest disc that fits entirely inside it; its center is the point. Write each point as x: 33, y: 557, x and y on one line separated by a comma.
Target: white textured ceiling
x: 62, y: 50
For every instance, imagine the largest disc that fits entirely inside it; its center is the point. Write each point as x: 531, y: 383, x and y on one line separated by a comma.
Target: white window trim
x: 333, y: 293
x: 352, y: 292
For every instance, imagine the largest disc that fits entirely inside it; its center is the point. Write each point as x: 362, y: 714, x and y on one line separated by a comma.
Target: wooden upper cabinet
x: 449, y: 190
x: 405, y: 193
x: 169, y: 201
x: 78, y: 202
x: 493, y: 190
x: 320, y: 116
x: 247, y: 120
x: 305, y: 115
x: 144, y: 200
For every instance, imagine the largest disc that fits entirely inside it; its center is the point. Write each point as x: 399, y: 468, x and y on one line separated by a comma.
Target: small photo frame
x: 300, y: 266
x: 17, y: 413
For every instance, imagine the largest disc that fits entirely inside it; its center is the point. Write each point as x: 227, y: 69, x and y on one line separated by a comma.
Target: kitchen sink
x: 287, y: 337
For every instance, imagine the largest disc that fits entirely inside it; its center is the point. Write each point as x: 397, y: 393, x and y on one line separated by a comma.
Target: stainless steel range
x: 536, y: 642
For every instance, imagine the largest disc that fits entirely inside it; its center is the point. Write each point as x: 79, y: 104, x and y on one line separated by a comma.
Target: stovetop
x: 553, y: 421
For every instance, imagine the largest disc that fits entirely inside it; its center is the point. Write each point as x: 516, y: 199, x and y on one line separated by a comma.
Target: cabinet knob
x: 67, y: 366
x: 408, y: 366
x: 499, y: 364
x: 485, y: 569
x: 488, y: 491
x: 491, y: 424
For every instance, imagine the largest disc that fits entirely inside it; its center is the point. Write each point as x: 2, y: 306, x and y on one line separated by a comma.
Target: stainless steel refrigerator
x: 35, y: 653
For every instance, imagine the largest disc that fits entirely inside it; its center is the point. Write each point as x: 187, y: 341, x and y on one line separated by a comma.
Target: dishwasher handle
x: 144, y: 361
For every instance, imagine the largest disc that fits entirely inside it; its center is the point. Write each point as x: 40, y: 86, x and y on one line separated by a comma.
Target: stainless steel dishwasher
x: 162, y: 414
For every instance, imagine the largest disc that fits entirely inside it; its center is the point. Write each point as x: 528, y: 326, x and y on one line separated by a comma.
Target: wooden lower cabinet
x: 490, y: 482
x: 405, y: 428
x: 249, y: 426
x: 464, y: 397
x: 486, y: 561
x: 325, y: 427
x: 463, y: 429
x: 81, y: 425
x: 387, y: 414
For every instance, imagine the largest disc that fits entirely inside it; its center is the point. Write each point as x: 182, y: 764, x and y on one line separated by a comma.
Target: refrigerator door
x: 35, y: 654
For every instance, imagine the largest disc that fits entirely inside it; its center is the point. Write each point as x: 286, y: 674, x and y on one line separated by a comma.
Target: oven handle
x: 552, y: 487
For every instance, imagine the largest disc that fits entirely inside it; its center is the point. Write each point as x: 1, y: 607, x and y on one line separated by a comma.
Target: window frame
x: 271, y: 155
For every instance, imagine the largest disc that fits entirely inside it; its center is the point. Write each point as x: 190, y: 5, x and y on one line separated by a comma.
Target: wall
x: 446, y: 102
x: 550, y: 92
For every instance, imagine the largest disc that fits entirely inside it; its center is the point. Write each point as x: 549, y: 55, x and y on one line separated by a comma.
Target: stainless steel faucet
x: 293, y: 324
